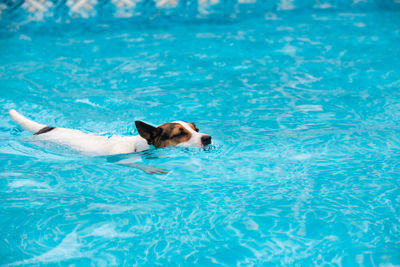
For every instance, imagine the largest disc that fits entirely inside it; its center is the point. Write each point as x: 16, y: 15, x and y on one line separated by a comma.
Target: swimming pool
x: 304, y: 110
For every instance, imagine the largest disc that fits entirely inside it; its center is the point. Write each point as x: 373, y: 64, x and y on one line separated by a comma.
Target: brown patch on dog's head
x: 168, y: 134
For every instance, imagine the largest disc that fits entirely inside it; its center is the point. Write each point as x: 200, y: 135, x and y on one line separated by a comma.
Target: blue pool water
x: 304, y: 110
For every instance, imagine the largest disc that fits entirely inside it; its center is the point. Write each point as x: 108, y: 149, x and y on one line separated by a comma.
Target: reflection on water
x: 304, y: 113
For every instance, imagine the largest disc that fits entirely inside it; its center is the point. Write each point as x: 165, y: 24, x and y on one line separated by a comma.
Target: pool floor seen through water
x: 304, y: 110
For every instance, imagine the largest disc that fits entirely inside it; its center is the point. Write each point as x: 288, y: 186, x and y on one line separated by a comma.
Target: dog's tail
x: 25, y: 123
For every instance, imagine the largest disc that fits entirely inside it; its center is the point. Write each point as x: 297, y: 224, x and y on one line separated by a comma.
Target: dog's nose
x: 205, y: 140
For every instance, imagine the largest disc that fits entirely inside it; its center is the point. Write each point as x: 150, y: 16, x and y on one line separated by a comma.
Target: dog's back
x: 85, y: 143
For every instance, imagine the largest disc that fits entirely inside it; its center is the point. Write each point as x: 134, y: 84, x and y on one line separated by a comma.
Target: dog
x: 177, y: 133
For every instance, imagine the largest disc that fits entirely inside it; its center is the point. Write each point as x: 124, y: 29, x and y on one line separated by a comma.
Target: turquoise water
x: 304, y: 110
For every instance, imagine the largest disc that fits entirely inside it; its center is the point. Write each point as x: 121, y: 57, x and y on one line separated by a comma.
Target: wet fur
x: 172, y: 134
x: 178, y: 133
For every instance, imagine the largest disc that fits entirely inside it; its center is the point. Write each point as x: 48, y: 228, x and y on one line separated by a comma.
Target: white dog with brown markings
x: 177, y: 133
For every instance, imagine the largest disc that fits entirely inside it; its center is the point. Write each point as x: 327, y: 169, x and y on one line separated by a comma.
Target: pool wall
x: 23, y: 11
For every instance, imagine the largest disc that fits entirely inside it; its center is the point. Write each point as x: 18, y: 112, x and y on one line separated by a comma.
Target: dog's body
x: 88, y: 144
x: 178, y: 133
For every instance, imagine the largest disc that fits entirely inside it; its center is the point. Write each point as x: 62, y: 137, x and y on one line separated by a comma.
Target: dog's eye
x: 179, y: 134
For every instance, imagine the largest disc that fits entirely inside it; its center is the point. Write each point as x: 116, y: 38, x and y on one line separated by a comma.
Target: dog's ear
x: 147, y: 131
x: 195, y: 127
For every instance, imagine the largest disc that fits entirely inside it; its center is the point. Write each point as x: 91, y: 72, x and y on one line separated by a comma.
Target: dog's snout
x: 205, y: 140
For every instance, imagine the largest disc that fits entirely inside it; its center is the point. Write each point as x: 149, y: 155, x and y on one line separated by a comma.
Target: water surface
x: 304, y: 110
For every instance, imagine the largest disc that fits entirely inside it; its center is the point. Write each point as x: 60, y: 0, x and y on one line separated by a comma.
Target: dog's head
x: 177, y: 133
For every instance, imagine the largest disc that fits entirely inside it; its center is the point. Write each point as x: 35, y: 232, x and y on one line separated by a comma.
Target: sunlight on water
x: 304, y: 113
